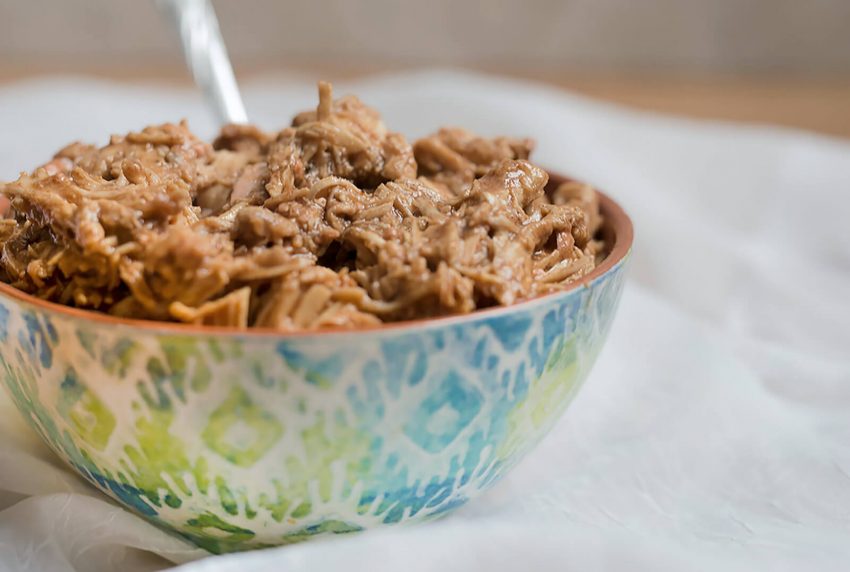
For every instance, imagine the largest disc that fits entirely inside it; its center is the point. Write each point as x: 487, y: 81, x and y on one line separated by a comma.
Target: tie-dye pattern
x: 238, y: 442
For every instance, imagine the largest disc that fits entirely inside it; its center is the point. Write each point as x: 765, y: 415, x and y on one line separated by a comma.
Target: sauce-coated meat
x: 332, y: 222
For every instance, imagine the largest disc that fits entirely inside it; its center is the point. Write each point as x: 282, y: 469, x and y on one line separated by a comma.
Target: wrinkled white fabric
x: 714, y: 432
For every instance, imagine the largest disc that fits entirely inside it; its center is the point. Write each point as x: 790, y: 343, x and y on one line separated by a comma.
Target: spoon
x: 206, y: 56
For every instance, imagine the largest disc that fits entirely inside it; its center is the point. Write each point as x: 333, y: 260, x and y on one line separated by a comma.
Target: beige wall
x: 797, y: 36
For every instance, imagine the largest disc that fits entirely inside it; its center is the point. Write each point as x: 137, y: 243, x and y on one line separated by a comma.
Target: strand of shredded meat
x: 334, y: 222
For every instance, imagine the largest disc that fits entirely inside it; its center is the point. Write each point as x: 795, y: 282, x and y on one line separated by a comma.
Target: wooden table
x: 815, y: 104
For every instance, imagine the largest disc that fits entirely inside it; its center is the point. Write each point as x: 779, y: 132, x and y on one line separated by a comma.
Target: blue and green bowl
x: 244, y: 439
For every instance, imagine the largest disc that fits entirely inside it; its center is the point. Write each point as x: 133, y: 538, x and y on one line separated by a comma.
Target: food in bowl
x: 333, y: 222
x: 238, y: 438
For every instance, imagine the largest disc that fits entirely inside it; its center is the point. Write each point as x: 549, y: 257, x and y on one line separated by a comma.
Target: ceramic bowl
x: 243, y: 439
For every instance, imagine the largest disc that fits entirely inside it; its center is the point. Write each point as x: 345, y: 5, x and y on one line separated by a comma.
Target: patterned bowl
x: 239, y: 440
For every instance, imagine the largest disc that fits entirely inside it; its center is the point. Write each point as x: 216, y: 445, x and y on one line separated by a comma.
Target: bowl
x: 244, y: 439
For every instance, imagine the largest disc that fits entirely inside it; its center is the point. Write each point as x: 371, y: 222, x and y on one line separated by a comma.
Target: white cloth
x: 714, y: 432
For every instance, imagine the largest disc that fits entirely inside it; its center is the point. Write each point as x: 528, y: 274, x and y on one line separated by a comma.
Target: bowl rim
x: 612, y: 212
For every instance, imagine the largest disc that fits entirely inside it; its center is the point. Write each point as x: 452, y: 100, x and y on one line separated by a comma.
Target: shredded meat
x: 334, y: 222
x: 454, y: 157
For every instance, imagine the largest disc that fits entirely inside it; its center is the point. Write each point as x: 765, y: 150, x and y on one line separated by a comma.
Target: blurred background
x: 783, y: 62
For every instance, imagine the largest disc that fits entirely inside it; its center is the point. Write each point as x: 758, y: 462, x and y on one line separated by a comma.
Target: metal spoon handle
x: 206, y: 56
